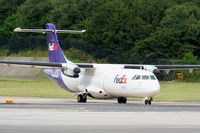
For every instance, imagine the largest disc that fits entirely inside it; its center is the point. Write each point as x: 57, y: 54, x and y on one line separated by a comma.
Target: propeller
x: 158, y: 58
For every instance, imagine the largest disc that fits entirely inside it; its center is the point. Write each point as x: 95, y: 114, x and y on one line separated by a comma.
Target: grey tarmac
x: 44, y: 115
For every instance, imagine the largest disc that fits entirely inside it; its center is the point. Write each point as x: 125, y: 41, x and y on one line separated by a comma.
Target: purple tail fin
x: 55, y: 52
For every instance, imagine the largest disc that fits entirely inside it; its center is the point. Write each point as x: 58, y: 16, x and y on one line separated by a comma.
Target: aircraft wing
x: 85, y: 65
x: 156, y: 68
x: 161, y: 67
x: 88, y: 65
x: 174, y: 67
x: 46, y: 64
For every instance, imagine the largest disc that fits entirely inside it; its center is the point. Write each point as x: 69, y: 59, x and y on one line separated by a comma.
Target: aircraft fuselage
x: 111, y: 81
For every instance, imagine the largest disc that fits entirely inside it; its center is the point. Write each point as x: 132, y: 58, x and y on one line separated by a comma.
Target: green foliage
x: 78, y: 56
x: 72, y: 54
x: 177, y: 34
x: 4, y: 52
x: 31, y: 53
x: 34, y: 13
x: 10, y: 24
x: 118, y: 31
x: 8, y: 7
x: 190, y: 56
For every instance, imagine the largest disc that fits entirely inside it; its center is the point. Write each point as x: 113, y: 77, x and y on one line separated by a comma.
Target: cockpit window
x: 152, y: 77
x: 138, y: 77
x: 145, y: 77
x: 134, y: 77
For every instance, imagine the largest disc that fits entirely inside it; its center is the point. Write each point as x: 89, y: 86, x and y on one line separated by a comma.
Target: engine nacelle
x: 152, y: 69
x: 71, y: 70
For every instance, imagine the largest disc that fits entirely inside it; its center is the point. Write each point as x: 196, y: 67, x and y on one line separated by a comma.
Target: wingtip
x: 83, y: 31
x: 17, y: 30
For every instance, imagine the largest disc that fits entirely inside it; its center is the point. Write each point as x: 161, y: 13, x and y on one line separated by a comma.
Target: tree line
x: 118, y: 31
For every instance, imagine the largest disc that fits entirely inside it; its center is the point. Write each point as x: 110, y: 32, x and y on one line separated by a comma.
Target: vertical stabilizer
x: 55, y: 52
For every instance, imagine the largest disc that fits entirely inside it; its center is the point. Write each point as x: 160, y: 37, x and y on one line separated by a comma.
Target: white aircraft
x: 100, y: 81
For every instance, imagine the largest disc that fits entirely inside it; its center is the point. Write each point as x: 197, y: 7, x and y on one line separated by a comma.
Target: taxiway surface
x: 44, y: 115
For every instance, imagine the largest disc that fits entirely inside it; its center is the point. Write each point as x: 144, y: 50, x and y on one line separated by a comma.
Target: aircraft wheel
x: 148, y: 100
x: 119, y: 100
x: 84, y: 100
x: 79, y: 98
x: 145, y: 102
x: 122, y: 100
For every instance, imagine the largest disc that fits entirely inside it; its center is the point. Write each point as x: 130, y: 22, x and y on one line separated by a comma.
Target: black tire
x: 146, y: 102
x: 79, y: 98
x: 149, y: 102
x: 84, y: 100
x: 118, y: 100
x: 122, y: 100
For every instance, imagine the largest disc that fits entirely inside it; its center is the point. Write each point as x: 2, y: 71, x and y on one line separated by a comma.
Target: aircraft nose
x: 156, y: 89
x: 153, y: 88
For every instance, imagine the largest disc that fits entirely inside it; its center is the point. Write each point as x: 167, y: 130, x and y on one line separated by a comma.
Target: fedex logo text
x: 120, y: 80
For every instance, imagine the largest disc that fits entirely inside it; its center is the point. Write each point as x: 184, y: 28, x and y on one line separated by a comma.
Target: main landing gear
x: 148, y: 100
x: 122, y: 100
x: 82, y: 98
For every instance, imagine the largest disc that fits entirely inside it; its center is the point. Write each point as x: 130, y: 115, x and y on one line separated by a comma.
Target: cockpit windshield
x: 152, y: 77
x: 138, y: 77
x: 144, y: 77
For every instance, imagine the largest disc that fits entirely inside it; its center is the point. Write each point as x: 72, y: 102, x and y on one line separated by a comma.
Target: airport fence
x: 16, y: 44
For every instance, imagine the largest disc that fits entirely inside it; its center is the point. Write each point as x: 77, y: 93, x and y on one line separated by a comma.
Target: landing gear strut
x: 122, y: 100
x: 82, y: 98
x: 148, y: 100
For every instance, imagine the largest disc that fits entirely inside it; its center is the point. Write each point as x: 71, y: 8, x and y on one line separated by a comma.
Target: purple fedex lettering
x: 119, y: 80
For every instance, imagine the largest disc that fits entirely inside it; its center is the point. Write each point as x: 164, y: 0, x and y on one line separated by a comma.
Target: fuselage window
x: 134, y: 77
x: 152, y: 77
x: 138, y: 77
x: 145, y: 77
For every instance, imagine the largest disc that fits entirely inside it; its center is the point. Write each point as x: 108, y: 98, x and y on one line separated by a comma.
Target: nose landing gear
x: 148, y: 100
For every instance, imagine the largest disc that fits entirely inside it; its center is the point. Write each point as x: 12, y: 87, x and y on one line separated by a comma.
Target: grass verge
x: 31, y: 88
x: 179, y: 91
x: 175, y: 91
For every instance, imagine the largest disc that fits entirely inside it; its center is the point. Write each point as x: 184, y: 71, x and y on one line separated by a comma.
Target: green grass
x: 31, y: 88
x: 179, y: 91
x: 176, y: 91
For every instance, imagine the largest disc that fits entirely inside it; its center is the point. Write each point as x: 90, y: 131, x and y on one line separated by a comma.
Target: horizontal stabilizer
x: 49, y: 30
x: 71, y: 31
x: 33, y: 30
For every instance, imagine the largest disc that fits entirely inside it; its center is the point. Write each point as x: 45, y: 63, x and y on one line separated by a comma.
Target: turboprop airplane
x: 100, y: 81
